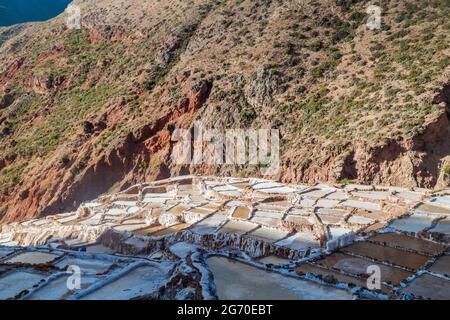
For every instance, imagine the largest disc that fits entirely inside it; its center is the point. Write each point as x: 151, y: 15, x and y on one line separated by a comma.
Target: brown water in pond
x: 432, y: 208
x: 237, y: 227
x: 241, y: 213
x: 442, y: 266
x: 429, y: 287
x: 358, y: 266
x: 309, y: 268
x: 238, y: 281
x: 177, y: 210
x: 160, y: 189
x: 159, y: 230
x: 200, y: 211
x: 395, y: 256
x: 419, y: 245
x: 212, y: 206
x: 150, y: 230
x: 170, y: 230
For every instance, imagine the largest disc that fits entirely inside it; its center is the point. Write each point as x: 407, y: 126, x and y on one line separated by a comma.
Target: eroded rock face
x: 265, y: 84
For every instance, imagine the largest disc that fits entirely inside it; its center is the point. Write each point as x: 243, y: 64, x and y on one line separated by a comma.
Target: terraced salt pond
x: 14, y: 283
x: 33, y: 258
x: 326, y: 235
x: 57, y: 289
x: 238, y: 281
x: 414, y: 223
x: 274, y: 260
x: 443, y: 226
x: 86, y: 266
x: 138, y: 282
x: 430, y: 287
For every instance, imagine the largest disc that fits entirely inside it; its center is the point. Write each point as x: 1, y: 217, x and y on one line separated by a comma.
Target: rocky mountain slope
x: 86, y: 111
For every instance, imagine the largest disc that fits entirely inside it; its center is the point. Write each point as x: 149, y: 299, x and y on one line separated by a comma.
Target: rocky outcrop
x: 412, y: 162
x: 266, y: 82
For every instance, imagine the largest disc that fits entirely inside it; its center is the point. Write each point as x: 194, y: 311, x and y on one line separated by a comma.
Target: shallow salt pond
x: 429, y: 287
x: 87, y: 266
x: 356, y: 266
x: 337, y: 232
x: 159, y: 231
x: 266, y: 185
x: 414, y: 223
x: 130, y: 227
x: 125, y: 203
x: 5, y: 251
x: 277, y: 190
x: 14, y: 283
x: 443, y: 201
x: 182, y: 249
x: 57, y: 289
x: 238, y: 281
x: 268, y: 235
x: 326, y: 203
x: 140, y: 281
x: 115, y: 212
x: 400, y: 240
x: 237, y: 227
x: 441, y: 266
x: 430, y: 208
x: 394, y: 256
x: 443, y: 226
x: 317, y: 193
x: 208, y: 225
x: 337, y: 195
x: 373, y: 195
x: 361, y: 205
x: 93, y: 220
x: 268, y: 214
x: 409, y: 196
x: 68, y: 219
x: 299, y: 241
x: 274, y: 260
x: 360, y: 220
x: 241, y: 213
x: 33, y: 258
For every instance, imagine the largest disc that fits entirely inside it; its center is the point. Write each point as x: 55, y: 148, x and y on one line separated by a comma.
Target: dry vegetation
x: 310, y: 68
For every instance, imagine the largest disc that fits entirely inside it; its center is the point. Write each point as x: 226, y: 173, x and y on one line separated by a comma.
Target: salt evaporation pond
x: 274, y: 260
x: 238, y: 281
x: 138, y: 282
x: 33, y: 258
x: 414, y: 223
x: 14, y: 283
x: 58, y: 289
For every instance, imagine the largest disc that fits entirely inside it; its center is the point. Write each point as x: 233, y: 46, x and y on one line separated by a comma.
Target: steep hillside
x: 91, y: 110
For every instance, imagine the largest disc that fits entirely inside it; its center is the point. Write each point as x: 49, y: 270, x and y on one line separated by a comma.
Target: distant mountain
x: 88, y: 111
x: 19, y: 11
